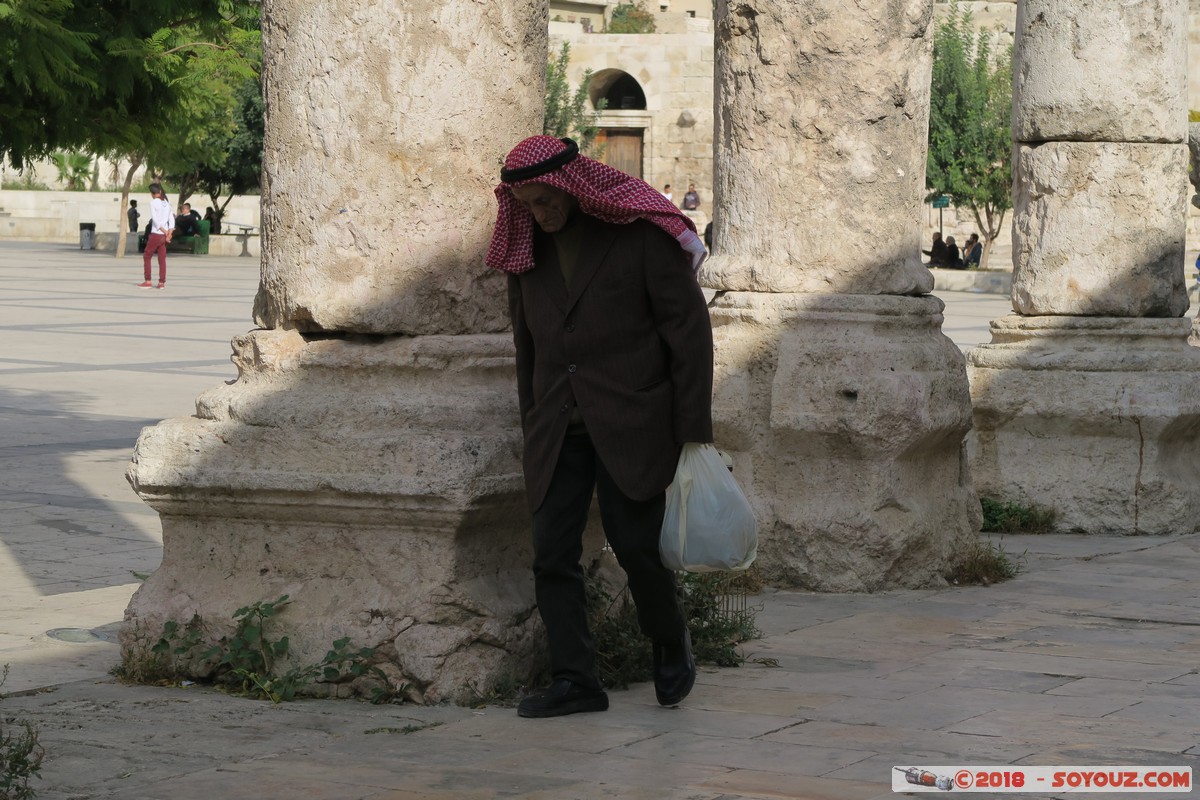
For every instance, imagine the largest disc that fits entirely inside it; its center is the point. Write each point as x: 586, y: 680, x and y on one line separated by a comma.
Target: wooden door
x: 622, y: 149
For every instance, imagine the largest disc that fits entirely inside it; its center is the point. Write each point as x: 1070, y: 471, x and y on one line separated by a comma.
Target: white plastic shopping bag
x: 709, y: 525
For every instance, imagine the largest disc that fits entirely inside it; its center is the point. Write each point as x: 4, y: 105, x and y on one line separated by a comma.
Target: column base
x: 376, y: 482
x: 1096, y: 418
x: 846, y: 416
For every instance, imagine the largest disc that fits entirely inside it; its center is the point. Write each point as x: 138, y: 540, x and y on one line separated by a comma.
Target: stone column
x: 1085, y: 402
x: 366, y: 460
x: 1194, y: 146
x: 845, y: 405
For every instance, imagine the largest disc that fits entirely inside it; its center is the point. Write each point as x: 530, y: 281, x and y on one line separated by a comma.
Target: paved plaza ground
x: 1091, y: 656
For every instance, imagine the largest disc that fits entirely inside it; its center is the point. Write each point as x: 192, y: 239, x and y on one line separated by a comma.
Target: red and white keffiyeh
x: 602, y: 192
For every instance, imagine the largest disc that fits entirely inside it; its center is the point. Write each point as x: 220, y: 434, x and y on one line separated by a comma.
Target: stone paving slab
x: 1089, y: 656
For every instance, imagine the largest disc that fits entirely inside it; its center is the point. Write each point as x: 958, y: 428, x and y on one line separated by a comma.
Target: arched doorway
x: 623, y: 120
x: 619, y: 90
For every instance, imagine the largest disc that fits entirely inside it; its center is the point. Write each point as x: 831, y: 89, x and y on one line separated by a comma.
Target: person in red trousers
x: 162, y: 226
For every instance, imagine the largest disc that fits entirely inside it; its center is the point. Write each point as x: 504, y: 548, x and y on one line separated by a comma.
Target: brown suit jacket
x: 630, y: 341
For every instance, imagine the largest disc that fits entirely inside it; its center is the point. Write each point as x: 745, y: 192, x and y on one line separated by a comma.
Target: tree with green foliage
x: 631, y: 18
x: 214, y: 66
x: 566, y: 111
x: 86, y: 75
x: 142, y: 81
x: 74, y: 169
x: 208, y: 62
x: 240, y: 171
x: 970, y: 124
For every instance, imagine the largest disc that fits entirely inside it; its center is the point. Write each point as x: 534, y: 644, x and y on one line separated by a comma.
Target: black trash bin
x: 87, y: 236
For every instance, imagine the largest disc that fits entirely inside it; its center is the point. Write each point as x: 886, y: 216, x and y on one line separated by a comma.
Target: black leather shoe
x: 563, y: 697
x: 674, y: 671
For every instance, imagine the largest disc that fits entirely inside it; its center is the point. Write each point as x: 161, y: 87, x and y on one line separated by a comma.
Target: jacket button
x: 565, y: 409
x: 570, y: 327
x: 571, y: 368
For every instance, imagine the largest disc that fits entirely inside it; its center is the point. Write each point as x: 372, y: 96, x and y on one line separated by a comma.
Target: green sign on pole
x: 941, y: 202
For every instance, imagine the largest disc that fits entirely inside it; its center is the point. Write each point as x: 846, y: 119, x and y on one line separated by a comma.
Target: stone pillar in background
x: 822, y: 115
x: 1086, y: 403
x: 387, y: 123
x: 375, y: 479
x: 1194, y: 146
x: 844, y: 404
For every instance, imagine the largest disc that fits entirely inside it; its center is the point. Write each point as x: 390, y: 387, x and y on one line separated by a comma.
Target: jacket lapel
x: 548, y: 273
x: 596, y: 243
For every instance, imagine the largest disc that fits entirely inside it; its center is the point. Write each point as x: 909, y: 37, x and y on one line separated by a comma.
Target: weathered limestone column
x: 1194, y: 146
x: 1085, y: 402
x: 366, y: 460
x: 845, y: 405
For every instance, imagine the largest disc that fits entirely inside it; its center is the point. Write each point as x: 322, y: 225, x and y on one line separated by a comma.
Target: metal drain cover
x: 76, y: 635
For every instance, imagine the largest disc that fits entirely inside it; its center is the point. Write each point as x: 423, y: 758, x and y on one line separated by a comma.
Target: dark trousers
x: 632, y: 528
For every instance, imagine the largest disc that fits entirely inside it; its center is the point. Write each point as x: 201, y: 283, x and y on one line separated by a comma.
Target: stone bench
x: 971, y: 280
x: 235, y: 244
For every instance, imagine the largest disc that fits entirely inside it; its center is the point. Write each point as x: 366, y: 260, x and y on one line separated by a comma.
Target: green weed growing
x: 624, y: 655
x: 20, y: 754
x: 1009, y: 517
x: 248, y: 661
x: 984, y: 563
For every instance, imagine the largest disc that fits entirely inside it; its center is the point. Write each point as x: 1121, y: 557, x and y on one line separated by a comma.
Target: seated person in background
x: 953, y: 260
x: 937, y: 252
x: 214, y: 221
x: 188, y: 221
x: 973, y: 251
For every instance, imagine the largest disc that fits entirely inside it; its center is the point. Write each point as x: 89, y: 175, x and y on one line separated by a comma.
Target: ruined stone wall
x: 998, y: 15
x: 677, y: 155
x: 676, y: 73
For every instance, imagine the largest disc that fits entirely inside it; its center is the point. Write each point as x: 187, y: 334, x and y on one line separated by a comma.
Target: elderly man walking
x: 614, y: 376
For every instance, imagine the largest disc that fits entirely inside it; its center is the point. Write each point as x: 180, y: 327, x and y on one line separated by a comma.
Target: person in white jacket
x: 162, y: 226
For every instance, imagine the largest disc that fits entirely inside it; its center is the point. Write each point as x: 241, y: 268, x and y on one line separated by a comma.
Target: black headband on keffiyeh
x: 602, y: 191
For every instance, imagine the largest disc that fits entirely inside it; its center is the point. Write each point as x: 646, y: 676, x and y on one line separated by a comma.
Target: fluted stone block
x: 846, y: 417
x: 385, y: 126
x: 1098, y: 229
x: 1108, y: 71
x: 1095, y: 418
x: 821, y: 117
x: 376, y: 482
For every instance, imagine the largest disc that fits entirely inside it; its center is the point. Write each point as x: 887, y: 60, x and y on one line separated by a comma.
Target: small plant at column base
x: 624, y: 655
x: 246, y: 661
x: 248, y: 653
x: 717, y: 621
x: 250, y: 657
x: 20, y: 755
x: 505, y: 691
x: 158, y: 663
x: 984, y: 563
x: 1011, y: 517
